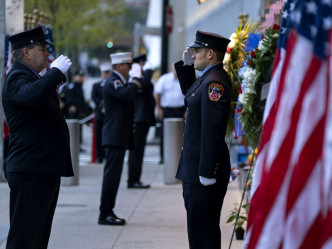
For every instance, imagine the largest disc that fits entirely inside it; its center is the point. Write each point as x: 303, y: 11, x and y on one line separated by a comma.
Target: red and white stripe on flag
x: 291, y: 196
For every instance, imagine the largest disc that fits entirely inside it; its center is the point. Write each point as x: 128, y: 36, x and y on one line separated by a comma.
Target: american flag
x: 48, y: 31
x: 50, y: 48
x: 8, y: 56
x: 291, y: 194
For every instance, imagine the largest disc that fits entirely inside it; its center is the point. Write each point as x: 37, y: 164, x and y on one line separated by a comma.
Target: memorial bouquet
x: 254, y: 77
x: 233, y: 60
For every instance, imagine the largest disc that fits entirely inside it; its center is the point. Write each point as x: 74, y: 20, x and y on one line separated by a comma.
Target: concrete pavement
x: 155, y: 217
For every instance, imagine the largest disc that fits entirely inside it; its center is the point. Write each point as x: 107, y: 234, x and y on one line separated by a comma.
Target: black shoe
x: 111, y: 220
x: 137, y: 185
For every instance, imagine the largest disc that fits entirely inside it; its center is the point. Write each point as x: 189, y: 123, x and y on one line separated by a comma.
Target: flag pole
x: 245, y: 186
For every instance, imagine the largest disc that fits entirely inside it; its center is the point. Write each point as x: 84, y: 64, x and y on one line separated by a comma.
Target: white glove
x: 62, y: 63
x: 207, y: 181
x: 187, y: 56
x: 135, y: 71
x: 147, y: 66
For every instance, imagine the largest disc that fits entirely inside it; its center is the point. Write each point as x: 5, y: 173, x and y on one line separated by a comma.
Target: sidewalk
x: 155, y: 217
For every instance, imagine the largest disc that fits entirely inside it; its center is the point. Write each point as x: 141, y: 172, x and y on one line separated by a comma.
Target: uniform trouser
x: 136, y: 155
x: 33, y: 198
x: 98, y: 131
x: 111, y: 180
x: 203, y: 205
x: 169, y: 112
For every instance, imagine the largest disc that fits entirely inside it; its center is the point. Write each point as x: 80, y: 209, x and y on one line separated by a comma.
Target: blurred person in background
x: 169, y: 102
x: 73, y: 103
x: 119, y: 95
x: 72, y: 97
x: 99, y: 110
x: 144, y: 118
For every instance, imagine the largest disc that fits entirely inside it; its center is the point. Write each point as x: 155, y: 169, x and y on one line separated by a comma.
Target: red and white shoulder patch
x: 215, y: 91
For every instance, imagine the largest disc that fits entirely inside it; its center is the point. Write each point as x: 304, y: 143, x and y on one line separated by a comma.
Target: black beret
x: 32, y: 36
x: 210, y: 40
x: 139, y: 58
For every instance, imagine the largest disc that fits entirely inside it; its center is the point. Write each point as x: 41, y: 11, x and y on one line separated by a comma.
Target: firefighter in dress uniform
x: 204, y: 167
x: 119, y: 98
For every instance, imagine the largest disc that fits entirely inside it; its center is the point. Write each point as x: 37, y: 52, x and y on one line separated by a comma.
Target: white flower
x: 227, y: 58
x: 233, y: 41
x: 261, y: 47
x: 250, y: 74
x: 242, y: 99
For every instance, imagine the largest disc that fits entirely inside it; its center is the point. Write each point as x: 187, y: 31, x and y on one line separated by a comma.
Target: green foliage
x: 262, y: 61
x: 79, y: 24
x: 242, y: 216
x: 233, y: 62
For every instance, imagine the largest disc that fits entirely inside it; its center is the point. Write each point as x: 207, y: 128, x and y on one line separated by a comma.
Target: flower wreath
x: 253, y: 76
x: 233, y: 60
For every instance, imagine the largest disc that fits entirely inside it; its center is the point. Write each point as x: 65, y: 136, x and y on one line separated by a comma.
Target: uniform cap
x: 139, y: 58
x: 79, y: 72
x: 105, y: 67
x: 32, y: 36
x: 118, y: 58
x: 210, y: 40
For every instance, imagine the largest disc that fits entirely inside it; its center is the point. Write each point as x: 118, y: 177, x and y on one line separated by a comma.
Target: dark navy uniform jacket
x: 119, y: 100
x: 97, y: 97
x: 72, y: 95
x: 144, y: 102
x: 39, y: 136
x: 205, y: 152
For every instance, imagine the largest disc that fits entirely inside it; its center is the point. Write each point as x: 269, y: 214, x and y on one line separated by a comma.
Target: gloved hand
x: 62, y: 63
x: 147, y: 66
x: 187, y: 56
x: 207, y: 181
x: 135, y: 71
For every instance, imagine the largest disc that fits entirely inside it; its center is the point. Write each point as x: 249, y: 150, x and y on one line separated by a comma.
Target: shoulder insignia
x: 215, y: 91
x: 117, y: 84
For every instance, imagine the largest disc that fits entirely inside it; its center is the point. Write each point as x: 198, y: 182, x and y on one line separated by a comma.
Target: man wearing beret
x: 119, y: 94
x: 204, y: 167
x: 39, y: 152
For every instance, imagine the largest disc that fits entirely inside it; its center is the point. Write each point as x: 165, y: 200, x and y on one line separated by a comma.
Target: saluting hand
x: 187, y: 56
x: 62, y: 63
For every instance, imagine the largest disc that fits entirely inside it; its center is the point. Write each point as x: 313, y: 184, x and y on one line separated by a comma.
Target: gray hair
x: 18, y: 53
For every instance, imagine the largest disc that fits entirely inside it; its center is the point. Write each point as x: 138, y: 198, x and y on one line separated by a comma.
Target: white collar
x: 120, y: 75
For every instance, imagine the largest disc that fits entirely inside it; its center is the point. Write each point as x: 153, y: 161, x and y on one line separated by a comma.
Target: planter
x: 239, y: 233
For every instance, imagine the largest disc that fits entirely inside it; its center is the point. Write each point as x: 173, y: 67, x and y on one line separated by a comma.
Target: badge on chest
x: 215, y: 92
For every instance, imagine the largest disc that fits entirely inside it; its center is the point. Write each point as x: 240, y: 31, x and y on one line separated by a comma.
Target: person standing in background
x: 97, y: 98
x: 144, y: 118
x: 72, y: 97
x: 169, y: 102
x: 39, y: 151
x: 119, y: 96
x: 204, y: 167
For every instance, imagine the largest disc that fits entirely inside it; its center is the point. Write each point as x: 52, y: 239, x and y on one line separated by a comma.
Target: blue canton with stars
x: 311, y: 19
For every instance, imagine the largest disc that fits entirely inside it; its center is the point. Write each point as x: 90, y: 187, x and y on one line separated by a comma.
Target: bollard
x: 173, y: 138
x: 74, y: 133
